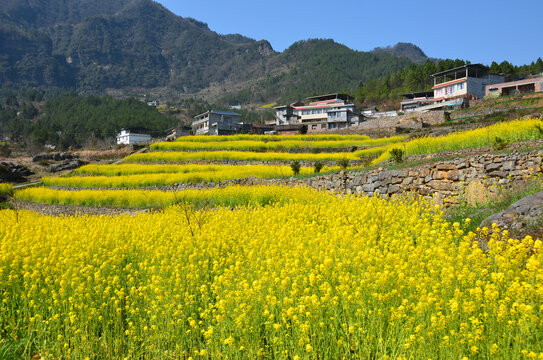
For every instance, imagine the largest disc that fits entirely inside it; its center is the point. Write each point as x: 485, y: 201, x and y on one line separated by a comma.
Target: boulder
x: 13, y: 173
x: 58, y: 156
x: 525, y: 217
x: 67, y: 165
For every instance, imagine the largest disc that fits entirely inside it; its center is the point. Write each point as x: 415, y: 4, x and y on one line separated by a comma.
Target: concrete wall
x: 412, y: 120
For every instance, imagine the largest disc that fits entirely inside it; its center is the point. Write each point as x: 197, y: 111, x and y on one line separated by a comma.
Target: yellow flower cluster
x: 133, y: 169
x: 221, y: 155
x: 510, y: 132
x: 230, y: 196
x: 213, y: 173
x: 271, y: 145
x: 330, y: 278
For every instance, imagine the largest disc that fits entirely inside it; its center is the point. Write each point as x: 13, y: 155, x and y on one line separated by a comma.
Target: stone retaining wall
x: 443, y: 181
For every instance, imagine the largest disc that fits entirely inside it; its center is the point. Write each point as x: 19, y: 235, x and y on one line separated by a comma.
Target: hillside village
x: 171, y: 192
x: 452, y: 89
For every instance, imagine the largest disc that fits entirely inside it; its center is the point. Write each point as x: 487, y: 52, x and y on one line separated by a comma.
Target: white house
x: 130, y: 137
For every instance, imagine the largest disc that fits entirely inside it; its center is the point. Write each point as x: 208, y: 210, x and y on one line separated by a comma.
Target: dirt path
x: 71, y: 210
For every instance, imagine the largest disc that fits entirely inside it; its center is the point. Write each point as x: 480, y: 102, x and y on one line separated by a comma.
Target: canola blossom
x: 306, y: 137
x: 165, y: 179
x: 228, y: 155
x: 510, y: 132
x: 271, y: 145
x: 134, y: 169
x: 231, y: 196
x: 331, y: 278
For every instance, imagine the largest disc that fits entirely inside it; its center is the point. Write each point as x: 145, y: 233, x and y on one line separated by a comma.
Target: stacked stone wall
x: 444, y: 181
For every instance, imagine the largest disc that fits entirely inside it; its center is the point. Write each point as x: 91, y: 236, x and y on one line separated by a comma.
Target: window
x: 313, y: 127
x: 323, y: 126
x: 460, y: 87
x: 306, y: 112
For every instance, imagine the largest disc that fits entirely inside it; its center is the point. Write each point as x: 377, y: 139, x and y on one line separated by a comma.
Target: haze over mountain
x: 123, y: 45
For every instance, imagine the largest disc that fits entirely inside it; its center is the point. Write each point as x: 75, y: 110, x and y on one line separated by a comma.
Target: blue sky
x: 476, y: 30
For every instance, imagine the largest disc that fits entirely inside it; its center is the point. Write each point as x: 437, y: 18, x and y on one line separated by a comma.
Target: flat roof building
x: 417, y: 99
x: 133, y: 136
x: 323, y: 112
x: 215, y: 122
x: 523, y: 86
x: 467, y: 81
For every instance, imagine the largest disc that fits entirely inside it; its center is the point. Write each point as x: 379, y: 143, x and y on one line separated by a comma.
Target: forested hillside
x: 318, y: 66
x: 71, y: 120
x: 139, y: 44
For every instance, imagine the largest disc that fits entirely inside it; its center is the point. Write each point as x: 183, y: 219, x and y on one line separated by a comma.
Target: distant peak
x: 408, y: 50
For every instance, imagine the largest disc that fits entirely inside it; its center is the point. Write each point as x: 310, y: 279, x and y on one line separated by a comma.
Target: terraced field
x: 267, y: 272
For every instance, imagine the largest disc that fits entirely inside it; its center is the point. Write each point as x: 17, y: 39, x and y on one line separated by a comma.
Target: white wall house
x: 128, y: 137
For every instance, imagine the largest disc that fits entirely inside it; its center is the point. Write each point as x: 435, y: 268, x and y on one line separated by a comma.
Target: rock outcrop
x: 521, y: 218
x: 11, y: 172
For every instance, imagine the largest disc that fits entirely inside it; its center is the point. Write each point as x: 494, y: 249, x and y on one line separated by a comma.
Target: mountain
x: 407, y: 50
x: 122, y: 45
x: 318, y: 66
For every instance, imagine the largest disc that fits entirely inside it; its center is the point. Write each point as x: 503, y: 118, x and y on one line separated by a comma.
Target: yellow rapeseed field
x: 227, y: 155
x: 271, y: 145
x: 312, y: 137
x: 334, y: 278
x: 141, y: 178
x: 509, y: 132
x: 231, y: 196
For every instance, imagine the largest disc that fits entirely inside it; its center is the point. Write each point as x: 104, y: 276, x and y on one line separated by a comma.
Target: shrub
x: 295, y: 166
x: 343, y: 163
x: 499, y: 143
x: 6, y: 191
x: 318, y: 166
x: 397, y: 155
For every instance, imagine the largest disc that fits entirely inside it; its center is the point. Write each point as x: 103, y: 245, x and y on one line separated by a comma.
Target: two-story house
x: 466, y: 81
x: 133, y: 136
x: 323, y: 112
x: 215, y: 122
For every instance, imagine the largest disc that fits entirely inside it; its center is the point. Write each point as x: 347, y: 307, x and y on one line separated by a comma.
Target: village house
x: 414, y: 100
x: 215, y: 122
x: 133, y: 136
x: 466, y: 81
x: 533, y: 84
x: 323, y: 112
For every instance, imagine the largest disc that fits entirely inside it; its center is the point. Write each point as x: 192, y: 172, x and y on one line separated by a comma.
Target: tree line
x: 418, y: 78
x: 75, y: 121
